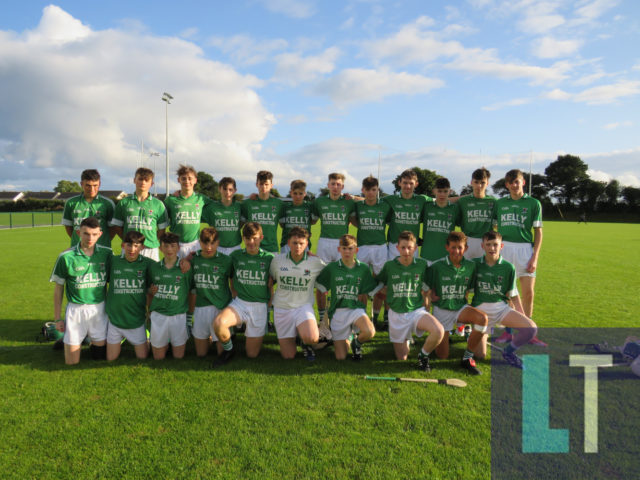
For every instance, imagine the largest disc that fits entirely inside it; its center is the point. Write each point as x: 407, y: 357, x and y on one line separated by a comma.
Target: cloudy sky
x: 306, y: 87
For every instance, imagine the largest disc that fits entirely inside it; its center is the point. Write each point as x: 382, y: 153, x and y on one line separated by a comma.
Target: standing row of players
x: 402, y: 212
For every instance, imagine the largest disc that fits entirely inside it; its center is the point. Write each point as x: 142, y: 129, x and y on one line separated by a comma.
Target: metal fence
x: 29, y: 219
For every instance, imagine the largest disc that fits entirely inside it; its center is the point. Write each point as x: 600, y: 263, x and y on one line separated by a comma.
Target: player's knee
x: 252, y: 354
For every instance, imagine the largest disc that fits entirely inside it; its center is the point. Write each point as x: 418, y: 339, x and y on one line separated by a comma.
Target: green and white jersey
x: 251, y: 275
x: 78, y: 208
x: 295, y: 281
x: 476, y: 215
x: 226, y: 220
x: 184, y: 215
x: 516, y: 218
x: 372, y: 222
x: 334, y: 215
x: 295, y: 216
x: 345, y: 284
x: 267, y: 213
x: 406, y: 214
x: 451, y: 283
x: 172, y: 297
x: 85, y: 278
x: 146, y: 217
x: 437, y: 223
x: 211, y: 279
x: 495, y: 283
x: 405, y: 284
x: 127, y: 296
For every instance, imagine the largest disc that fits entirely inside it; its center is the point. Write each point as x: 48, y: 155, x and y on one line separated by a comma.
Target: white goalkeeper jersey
x: 295, y: 281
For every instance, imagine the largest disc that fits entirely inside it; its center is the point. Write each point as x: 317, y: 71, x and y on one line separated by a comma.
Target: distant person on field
x: 583, y: 218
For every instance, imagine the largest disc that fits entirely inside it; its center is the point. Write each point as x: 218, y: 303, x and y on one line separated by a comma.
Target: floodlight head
x: 166, y: 97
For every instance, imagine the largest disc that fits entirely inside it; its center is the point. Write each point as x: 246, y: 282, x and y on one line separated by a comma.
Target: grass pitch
x: 268, y: 418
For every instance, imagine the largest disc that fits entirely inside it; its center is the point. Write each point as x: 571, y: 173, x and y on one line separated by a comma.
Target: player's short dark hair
x: 492, y: 235
x: 263, y: 176
x: 336, y: 176
x: 298, y: 185
x: 169, y: 237
x: 133, y: 236
x: 511, y: 175
x: 442, y: 182
x: 347, y: 240
x: 90, y: 174
x: 369, y: 182
x: 184, y: 169
x: 224, y: 181
x: 144, y: 173
x: 209, y: 235
x: 299, y: 232
x: 481, y: 174
x: 407, y: 236
x: 410, y: 174
x: 250, y: 229
x: 456, y: 237
x: 90, y: 222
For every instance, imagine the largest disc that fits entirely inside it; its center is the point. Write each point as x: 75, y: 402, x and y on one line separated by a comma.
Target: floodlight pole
x: 167, y: 98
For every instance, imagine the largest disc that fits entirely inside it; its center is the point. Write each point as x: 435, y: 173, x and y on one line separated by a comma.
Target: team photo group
x: 429, y: 266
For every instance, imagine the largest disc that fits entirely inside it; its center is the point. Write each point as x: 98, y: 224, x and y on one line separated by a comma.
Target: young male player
x: 296, y: 213
x: 185, y: 211
x: 295, y: 272
x: 264, y: 210
x: 495, y: 286
x: 450, y: 279
x: 254, y: 286
x: 404, y: 278
x: 439, y: 218
x: 89, y: 204
x: 169, y: 304
x: 82, y: 272
x: 476, y: 212
x: 142, y: 212
x: 211, y: 272
x: 225, y: 216
x: 127, y: 298
x: 349, y: 282
x: 516, y: 216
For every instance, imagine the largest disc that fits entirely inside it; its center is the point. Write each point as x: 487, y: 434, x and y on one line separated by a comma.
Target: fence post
x: 33, y: 219
x: 10, y: 219
x: 52, y: 218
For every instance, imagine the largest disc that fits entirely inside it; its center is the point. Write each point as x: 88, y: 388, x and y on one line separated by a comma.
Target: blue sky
x: 307, y: 87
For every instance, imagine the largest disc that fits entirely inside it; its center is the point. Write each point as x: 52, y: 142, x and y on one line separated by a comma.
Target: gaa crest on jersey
x: 215, y: 269
x: 307, y: 272
x: 525, y: 210
x: 139, y: 273
x: 178, y: 278
x: 263, y: 265
x: 101, y: 265
x: 342, y: 208
x: 150, y: 212
x: 499, y: 279
x: 416, y: 277
x: 273, y: 208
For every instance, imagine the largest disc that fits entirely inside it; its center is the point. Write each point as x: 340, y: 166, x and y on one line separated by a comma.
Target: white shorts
x: 228, y: 250
x: 83, y: 320
x: 403, y: 325
x: 187, y: 248
x: 152, y: 253
x: 203, y: 318
x: 135, y: 336
x: 474, y: 249
x: 253, y: 315
x: 343, y: 320
x: 373, y: 255
x: 392, y: 251
x: 496, y: 311
x: 165, y: 329
x: 447, y: 318
x: 287, y: 319
x: 519, y: 254
x: 327, y: 249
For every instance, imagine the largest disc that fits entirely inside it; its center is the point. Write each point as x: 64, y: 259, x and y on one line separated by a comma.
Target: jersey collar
x: 304, y: 257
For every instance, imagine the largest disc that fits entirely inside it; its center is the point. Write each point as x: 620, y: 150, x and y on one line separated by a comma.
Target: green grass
x: 29, y: 219
x: 269, y: 418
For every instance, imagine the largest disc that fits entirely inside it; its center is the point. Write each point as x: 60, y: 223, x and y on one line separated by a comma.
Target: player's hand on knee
x: 60, y: 326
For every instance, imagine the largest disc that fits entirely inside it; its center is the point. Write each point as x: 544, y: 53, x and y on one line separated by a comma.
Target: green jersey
x: 451, y: 283
x: 251, y: 275
x: 495, y: 283
x: 172, y: 297
x: 295, y: 216
x: 516, y: 218
x: 334, y: 215
x: 267, y: 213
x: 405, y: 284
x: 476, y: 215
x: 437, y: 223
x: 78, y: 208
x: 345, y: 284
x: 146, y: 217
x: 85, y: 278
x: 127, y: 295
x: 184, y: 215
x: 226, y: 220
x: 372, y: 222
x: 211, y: 279
x: 406, y: 214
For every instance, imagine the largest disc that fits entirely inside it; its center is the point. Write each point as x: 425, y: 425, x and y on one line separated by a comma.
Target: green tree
x: 564, y: 177
x: 65, y: 186
x: 612, y: 193
x: 207, y: 186
x: 589, y: 191
x: 426, y: 181
x: 631, y: 196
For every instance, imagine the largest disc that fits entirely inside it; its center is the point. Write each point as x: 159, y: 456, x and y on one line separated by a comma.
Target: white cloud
x: 600, y: 95
x: 589, y: 10
x: 616, y: 125
x: 291, y: 8
x: 189, y: 32
x: 516, y: 102
x: 88, y: 97
x: 549, y: 47
x: 246, y: 50
x: 356, y: 85
x: 293, y: 69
